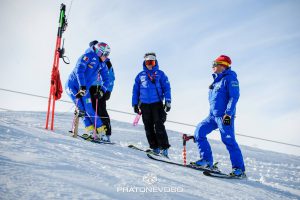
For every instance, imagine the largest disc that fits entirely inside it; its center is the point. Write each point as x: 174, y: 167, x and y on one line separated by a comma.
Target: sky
x: 261, y: 37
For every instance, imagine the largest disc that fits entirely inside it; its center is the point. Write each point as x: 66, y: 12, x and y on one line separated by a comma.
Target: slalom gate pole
x: 48, y: 110
x: 185, y: 138
x: 184, y: 149
x: 58, y: 53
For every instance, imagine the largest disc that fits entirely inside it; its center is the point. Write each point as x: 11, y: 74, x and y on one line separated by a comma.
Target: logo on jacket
x: 217, y: 86
x: 88, y: 100
x: 143, y: 81
x: 85, y: 58
x: 234, y: 84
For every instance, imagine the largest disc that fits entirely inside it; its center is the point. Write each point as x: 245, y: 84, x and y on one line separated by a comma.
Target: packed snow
x: 40, y: 164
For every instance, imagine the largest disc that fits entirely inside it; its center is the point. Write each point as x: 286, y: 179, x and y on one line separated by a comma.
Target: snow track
x: 40, y: 164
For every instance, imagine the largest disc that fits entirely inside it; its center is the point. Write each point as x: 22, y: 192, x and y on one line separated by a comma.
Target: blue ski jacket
x: 147, y: 91
x: 224, y: 94
x: 111, y: 78
x: 86, y: 71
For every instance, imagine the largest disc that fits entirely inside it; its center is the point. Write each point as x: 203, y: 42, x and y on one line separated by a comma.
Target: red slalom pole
x: 55, y: 91
x: 184, y: 136
x: 48, y: 110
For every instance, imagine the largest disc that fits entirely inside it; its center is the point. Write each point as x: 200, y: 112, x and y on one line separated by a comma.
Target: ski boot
x: 154, y: 151
x: 236, y: 172
x: 88, y: 136
x: 203, y: 164
x: 164, y: 153
x: 105, y: 138
x: 100, y: 132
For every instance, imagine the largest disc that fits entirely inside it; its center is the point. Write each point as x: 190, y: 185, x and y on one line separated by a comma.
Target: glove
x: 226, y: 120
x: 107, y: 95
x: 108, y: 64
x: 167, y: 106
x: 99, y: 94
x: 102, y: 130
x: 81, y: 92
x: 136, y: 109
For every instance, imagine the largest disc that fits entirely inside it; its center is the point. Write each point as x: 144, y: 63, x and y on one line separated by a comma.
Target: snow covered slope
x: 40, y: 164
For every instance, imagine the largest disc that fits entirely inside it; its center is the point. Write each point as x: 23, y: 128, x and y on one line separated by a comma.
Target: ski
x: 96, y: 141
x: 165, y: 161
x: 182, y: 165
x: 148, y: 151
x: 137, y: 148
x: 222, y: 175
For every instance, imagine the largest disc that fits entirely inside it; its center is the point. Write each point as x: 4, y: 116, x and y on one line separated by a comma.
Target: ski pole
x: 96, y: 115
x: 95, y: 126
x: 137, y: 118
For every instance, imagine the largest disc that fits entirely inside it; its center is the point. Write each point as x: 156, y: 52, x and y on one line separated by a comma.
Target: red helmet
x: 222, y: 60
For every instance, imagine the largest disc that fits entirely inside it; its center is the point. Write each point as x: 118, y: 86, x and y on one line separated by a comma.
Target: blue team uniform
x: 85, y: 73
x: 223, y: 97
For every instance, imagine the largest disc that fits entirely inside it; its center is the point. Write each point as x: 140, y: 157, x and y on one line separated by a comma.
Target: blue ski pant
x: 228, y: 138
x: 84, y: 104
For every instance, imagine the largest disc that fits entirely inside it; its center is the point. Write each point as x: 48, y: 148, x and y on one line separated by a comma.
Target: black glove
x: 99, y: 94
x: 81, y: 92
x: 167, y: 106
x: 107, y: 95
x: 108, y: 64
x: 136, y: 109
x: 226, y: 120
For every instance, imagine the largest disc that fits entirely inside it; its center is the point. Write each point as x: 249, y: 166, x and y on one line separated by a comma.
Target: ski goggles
x: 150, y: 62
x: 216, y: 63
x: 102, y: 49
x: 106, y: 53
x: 100, y: 53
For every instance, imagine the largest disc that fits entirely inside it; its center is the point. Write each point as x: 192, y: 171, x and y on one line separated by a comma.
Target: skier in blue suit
x: 89, y: 66
x: 101, y: 98
x: 151, y: 88
x: 223, y: 97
